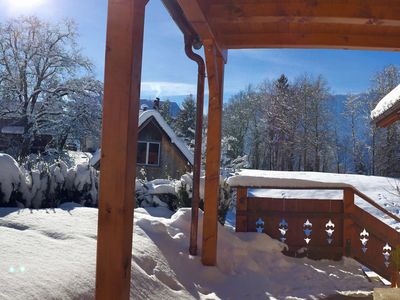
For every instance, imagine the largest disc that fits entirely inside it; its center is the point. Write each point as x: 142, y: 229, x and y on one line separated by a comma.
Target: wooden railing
x: 356, y: 233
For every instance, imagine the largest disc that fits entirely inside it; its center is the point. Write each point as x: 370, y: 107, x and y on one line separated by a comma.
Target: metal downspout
x: 189, y: 41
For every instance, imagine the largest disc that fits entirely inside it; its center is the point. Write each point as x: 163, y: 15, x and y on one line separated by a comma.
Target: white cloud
x: 165, y: 88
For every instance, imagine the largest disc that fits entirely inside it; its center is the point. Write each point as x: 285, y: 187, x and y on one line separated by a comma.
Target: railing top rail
x: 374, y: 204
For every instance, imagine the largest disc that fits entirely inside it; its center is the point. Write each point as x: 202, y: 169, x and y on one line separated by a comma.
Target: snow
x: 380, y: 189
x: 143, y: 117
x: 51, y: 254
x: 386, y: 103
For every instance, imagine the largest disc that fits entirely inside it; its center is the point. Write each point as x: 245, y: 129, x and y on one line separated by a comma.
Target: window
x: 148, y: 153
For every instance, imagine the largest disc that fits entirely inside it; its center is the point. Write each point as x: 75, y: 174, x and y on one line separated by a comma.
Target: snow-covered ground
x: 382, y: 190
x: 51, y: 254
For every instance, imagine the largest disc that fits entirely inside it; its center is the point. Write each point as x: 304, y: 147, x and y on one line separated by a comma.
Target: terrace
x: 218, y: 25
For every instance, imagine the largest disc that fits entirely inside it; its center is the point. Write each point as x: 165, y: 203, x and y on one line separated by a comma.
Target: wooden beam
x: 215, y: 72
x: 371, y: 11
x: 311, y: 40
x: 389, y: 120
x: 125, y: 26
x: 194, y: 12
x: 218, y: 21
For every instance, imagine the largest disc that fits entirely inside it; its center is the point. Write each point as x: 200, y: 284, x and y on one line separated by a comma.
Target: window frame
x: 147, y: 153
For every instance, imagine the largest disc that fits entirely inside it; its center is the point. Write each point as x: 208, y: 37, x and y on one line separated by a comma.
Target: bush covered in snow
x: 39, y: 184
x: 175, y: 194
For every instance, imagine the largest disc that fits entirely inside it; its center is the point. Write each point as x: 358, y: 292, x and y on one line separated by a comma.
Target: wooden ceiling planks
x: 339, y: 24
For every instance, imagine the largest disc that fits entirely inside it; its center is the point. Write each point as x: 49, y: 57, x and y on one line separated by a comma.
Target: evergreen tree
x: 185, y: 122
x: 165, y: 111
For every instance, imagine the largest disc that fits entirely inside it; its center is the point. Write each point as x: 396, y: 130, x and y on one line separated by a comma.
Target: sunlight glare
x: 21, y: 5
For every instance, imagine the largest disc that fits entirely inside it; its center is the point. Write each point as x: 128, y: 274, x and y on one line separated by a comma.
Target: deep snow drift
x: 51, y: 254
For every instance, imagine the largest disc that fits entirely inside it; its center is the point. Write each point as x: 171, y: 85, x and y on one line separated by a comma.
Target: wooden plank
x: 215, y: 70
x: 348, y: 230
x: 376, y: 227
x: 388, y: 120
x: 254, y: 19
x: 378, y: 11
x: 306, y: 215
x: 295, y: 205
x: 125, y: 26
x: 241, y: 209
x: 311, y: 40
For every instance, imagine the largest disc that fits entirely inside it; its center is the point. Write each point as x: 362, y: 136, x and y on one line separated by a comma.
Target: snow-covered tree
x: 185, y: 122
x: 165, y: 111
x: 353, y: 111
x: 40, y: 68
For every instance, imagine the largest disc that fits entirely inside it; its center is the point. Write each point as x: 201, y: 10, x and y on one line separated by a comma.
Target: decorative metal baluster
x: 260, y: 225
x: 330, y: 228
x: 364, y: 237
x: 386, y: 254
x: 307, y: 228
x: 283, y: 228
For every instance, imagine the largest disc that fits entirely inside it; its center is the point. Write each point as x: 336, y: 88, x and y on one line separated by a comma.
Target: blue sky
x: 167, y: 71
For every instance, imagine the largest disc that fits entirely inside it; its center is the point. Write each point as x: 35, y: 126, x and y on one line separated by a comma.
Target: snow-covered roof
x: 143, y: 117
x: 387, y: 104
x: 13, y: 129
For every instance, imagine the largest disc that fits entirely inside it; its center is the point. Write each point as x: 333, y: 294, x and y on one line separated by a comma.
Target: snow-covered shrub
x: 142, y: 194
x: 184, y: 191
x: 225, y: 201
x: 158, y: 192
x: 85, y: 183
x: 40, y: 183
x: 184, y: 188
x: 10, y: 179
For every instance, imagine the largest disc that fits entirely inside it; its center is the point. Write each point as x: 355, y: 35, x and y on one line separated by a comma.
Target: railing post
x: 395, y: 266
x: 348, y: 224
x: 241, y: 209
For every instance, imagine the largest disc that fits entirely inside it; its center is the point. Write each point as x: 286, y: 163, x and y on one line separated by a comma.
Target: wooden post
x: 125, y: 27
x: 215, y: 70
x: 241, y: 209
x: 348, y: 229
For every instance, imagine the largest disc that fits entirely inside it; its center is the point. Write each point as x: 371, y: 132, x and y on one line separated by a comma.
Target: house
x: 387, y: 111
x: 160, y: 153
x: 12, y: 130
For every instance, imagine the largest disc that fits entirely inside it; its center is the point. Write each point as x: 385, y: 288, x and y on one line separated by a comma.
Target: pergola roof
x: 338, y: 24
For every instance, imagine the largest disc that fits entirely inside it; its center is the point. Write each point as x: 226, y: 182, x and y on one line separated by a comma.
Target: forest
x: 299, y: 125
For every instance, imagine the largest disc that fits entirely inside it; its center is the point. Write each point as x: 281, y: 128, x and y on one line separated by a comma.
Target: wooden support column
x: 215, y: 72
x: 124, y: 47
x: 348, y: 224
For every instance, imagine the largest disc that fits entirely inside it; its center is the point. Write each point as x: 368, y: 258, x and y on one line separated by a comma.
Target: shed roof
x: 387, y: 110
